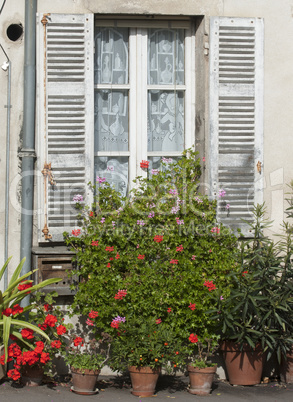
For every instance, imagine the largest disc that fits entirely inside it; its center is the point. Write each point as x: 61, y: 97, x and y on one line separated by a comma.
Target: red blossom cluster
x: 16, y: 309
x: 210, y: 285
x: 158, y: 321
x: 30, y: 358
x: 158, y: 238
x: 215, y: 230
x: 174, y: 262
x: 24, y: 285
x: 91, y: 214
x: 56, y: 344
x: 121, y: 293
x: 76, y: 232
x: 78, y: 341
x: 179, y: 248
x: 193, y: 338
x: 244, y: 273
x: 141, y: 256
x: 169, y: 310
x: 61, y: 330
x: 192, y: 306
x: 50, y: 320
x: 48, y: 307
x: 27, y: 333
x: 144, y: 164
x: 93, y: 314
x: 108, y: 248
x: 115, y: 324
x: 95, y: 243
x: 117, y: 256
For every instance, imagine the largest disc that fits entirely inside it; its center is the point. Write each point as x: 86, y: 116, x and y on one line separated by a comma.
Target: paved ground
x: 113, y: 389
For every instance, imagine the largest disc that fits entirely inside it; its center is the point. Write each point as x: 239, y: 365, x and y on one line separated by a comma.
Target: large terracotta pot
x: 84, y: 381
x: 32, y: 376
x: 286, y: 369
x: 243, y: 367
x: 144, y: 380
x: 201, y: 379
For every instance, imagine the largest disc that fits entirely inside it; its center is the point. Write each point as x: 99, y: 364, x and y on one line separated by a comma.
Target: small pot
x: 32, y: 376
x: 84, y: 381
x: 144, y: 380
x: 201, y: 379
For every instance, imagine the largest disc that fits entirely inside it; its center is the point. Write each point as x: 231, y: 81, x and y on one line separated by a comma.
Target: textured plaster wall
x: 11, y: 14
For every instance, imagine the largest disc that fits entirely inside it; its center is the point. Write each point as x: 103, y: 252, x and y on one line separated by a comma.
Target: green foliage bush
x: 161, y: 244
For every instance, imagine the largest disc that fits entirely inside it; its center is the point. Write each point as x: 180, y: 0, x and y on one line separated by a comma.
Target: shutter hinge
x: 47, y: 172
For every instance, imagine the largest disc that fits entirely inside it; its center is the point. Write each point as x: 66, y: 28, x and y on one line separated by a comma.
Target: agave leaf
x: 17, y: 272
x: 6, y: 332
x: 4, y: 267
x: 25, y: 324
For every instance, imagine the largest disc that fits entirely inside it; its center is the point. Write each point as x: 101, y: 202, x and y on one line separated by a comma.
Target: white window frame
x: 138, y: 96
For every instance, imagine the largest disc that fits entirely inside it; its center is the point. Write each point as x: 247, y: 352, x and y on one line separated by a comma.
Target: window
x: 112, y: 93
x: 142, y: 102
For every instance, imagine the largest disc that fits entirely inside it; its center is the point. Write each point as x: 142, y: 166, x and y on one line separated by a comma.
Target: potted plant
x: 201, y: 369
x: 87, y: 356
x: 254, y: 318
x: 12, y: 315
x: 144, y: 346
x: 30, y: 353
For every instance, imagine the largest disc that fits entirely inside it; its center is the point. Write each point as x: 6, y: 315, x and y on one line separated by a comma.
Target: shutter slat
x: 236, y: 116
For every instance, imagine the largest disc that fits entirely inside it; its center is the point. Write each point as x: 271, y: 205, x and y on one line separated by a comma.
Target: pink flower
x: 180, y: 248
x: 174, y: 262
x: 204, y: 159
x: 193, y: 257
x: 158, y: 321
x: 89, y: 322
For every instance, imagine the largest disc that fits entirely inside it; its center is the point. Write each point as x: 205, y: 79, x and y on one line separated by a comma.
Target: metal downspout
x: 28, y: 145
x: 7, y: 172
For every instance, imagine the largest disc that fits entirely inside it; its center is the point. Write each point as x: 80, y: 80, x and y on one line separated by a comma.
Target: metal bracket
x: 258, y: 166
x: 47, y: 171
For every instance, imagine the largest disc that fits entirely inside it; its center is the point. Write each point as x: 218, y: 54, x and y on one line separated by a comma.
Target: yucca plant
x: 18, y: 288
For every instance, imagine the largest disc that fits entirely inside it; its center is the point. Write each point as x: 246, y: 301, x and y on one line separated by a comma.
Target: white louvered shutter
x: 65, y: 117
x: 236, y: 117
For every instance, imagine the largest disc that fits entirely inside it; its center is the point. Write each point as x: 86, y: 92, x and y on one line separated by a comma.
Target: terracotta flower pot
x: 84, y: 381
x: 201, y: 379
x: 144, y: 380
x: 286, y: 369
x: 243, y: 367
x: 32, y: 376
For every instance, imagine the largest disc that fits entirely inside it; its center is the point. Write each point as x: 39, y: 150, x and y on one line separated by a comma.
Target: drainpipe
x: 28, y: 145
x: 7, y: 66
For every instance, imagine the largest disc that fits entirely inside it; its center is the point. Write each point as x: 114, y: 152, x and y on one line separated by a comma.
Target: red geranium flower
x: 141, y: 256
x: 48, y: 307
x: 210, y: 285
x: 24, y: 285
x: 169, y: 310
x: 121, y: 293
x: 14, y: 374
x: 27, y: 333
x: 117, y: 256
x: 61, y: 330
x: 108, y: 248
x: 95, y: 243
x: 158, y: 321
x: 144, y: 164
x: 76, y: 232
x: 158, y: 238
x: 174, y: 262
x: 192, y: 306
x: 40, y: 347
x: 56, y: 344
x: 16, y: 309
x: 45, y: 357
x: 50, y: 320
x: 193, y: 338
x: 7, y: 312
x: 78, y: 341
x: 93, y: 314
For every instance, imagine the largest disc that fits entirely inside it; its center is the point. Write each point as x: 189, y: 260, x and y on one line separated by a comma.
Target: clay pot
x: 144, y: 380
x: 84, y: 381
x: 201, y: 379
x: 32, y: 376
x: 244, y: 367
x: 286, y: 369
